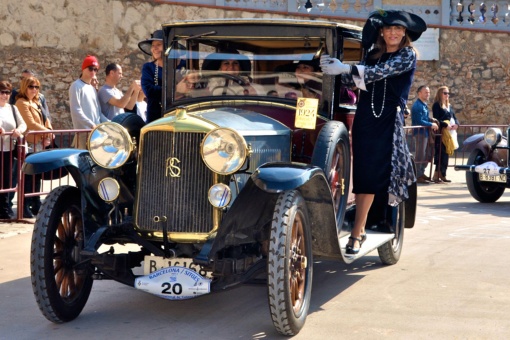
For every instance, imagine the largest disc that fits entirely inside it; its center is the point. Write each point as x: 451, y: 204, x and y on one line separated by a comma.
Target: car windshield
x: 277, y: 67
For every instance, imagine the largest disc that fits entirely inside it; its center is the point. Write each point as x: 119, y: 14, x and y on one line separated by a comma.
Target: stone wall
x: 52, y: 38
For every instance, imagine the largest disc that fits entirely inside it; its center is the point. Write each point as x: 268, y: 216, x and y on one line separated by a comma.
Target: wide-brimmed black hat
x: 146, y: 45
x: 213, y: 61
x: 414, y: 25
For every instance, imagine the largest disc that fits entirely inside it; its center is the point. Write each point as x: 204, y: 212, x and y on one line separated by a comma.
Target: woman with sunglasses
x: 27, y: 102
x: 443, y: 112
x: 10, y: 121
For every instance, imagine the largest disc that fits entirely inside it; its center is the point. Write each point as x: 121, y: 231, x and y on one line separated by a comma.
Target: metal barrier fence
x: 40, y: 184
x: 63, y: 139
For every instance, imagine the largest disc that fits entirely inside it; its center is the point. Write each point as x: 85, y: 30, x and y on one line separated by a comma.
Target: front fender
x: 86, y: 174
x: 253, y: 208
x: 45, y: 161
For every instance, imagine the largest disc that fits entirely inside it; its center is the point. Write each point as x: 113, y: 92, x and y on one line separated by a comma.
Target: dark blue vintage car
x: 246, y: 177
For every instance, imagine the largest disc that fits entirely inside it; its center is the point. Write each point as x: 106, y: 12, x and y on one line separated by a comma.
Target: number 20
x: 176, y: 289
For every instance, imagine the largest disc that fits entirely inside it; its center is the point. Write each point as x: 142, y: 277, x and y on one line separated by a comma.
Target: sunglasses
x: 93, y: 69
x: 33, y: 87
x: 446, y: 93
x: 5, y: 92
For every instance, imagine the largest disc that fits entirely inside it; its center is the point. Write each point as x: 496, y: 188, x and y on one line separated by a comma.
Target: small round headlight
x: 108, y: 189
x: 493, y: 136
x: 220, y: 195
x: 224, y: 151
x: 110, y: 145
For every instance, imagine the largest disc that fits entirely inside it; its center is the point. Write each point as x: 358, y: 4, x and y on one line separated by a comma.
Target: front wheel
x: 485, y: 192
x: 290, y: 263
x: 61, y: 283
x: 389, y: 252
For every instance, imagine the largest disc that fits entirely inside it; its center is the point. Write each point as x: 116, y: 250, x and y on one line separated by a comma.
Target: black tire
x: 60, y: 288
x: 332, y: 153
x: 132, y: 122
x: 290, y: 264
x: 485, y: 192
x: 390, y: 252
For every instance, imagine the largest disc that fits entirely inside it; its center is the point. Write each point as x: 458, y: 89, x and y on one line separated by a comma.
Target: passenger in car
x: 304, y: 81
x: 381, y: 160
x: 236, y: 68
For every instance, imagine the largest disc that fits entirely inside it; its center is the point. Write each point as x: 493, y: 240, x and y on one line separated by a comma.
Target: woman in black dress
x: 381, y: 160
x: 152, y: 73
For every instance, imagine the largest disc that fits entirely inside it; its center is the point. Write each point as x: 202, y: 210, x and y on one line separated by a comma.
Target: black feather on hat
x: 414, y: 25
x: 146, y: 45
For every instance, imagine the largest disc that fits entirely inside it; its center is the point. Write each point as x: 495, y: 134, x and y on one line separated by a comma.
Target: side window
x: 353, y: 53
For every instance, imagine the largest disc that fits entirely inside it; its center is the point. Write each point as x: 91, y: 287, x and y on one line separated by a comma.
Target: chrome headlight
x: 224, y: 151
x: 493, y: 136
x: 220, y: 195
x: 110, y: 145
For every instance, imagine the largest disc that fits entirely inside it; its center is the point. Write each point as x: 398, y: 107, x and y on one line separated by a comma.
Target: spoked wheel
x: 485, y: 192
x: 332, y: 154
x: 61, y: 284
x: 389, y: 252
x: 290, y: 263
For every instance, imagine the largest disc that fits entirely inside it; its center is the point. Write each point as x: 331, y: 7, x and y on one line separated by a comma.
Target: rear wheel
x: 485, y: 192
x: 290, y: 263
x: 61, y: 284
x: 389, y: 252
x: 333, y: 155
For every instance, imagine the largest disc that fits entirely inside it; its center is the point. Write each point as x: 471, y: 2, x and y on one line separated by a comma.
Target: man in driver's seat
x: 232, y: 76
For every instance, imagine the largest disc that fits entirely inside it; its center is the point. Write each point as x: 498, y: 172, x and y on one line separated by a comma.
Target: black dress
x: 388, y: 81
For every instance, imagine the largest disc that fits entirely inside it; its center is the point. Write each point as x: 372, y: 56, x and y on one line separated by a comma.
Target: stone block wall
x: 52, y: 38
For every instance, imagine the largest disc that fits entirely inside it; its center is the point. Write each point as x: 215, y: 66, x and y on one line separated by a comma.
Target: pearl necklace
x: 156, y: 74
x: 384, y: 94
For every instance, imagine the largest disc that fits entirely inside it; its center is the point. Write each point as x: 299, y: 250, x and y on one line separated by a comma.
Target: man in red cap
x: 84, y: 103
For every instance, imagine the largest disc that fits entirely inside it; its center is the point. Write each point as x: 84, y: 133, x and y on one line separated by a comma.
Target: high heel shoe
x: 363, y: 239
x: 349, y: 248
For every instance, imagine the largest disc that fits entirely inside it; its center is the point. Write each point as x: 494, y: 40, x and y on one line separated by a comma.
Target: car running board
x: 374, y: 240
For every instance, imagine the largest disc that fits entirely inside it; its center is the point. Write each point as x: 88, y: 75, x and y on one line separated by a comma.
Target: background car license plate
x: 154, y: 263
x: 497, y: 178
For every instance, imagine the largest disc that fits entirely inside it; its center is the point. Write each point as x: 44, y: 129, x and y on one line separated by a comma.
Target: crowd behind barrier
x: 50, y: 180
x: 64, y: 138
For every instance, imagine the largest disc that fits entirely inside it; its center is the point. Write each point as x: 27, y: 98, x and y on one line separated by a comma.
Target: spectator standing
x: 381, y: 161
x: 111, y: 99
x: 10, y: 121
x: 443, y: 112
x: 84, y: 103
x: 27, y: 102
x: 420, y: 117
x: 42, y: 99
x: 152, y: 73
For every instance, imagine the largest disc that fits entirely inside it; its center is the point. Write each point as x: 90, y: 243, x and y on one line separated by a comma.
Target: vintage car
x: 245, y: 178
x: 487, y: 169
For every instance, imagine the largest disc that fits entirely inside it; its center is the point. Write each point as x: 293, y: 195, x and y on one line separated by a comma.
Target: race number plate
x: 496, y: 178
x: 154, y: 263
x: 174, y: 283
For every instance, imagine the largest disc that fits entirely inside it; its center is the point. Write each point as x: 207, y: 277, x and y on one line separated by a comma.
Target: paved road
x: 452, y: 282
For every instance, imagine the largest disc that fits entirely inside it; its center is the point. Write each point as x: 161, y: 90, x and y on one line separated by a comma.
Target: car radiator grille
x: 182, y: 199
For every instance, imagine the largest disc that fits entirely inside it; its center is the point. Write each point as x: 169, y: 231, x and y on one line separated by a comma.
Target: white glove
x: 333, y: 66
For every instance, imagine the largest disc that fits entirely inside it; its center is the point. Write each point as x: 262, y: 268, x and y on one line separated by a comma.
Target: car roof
x: 251, y: 21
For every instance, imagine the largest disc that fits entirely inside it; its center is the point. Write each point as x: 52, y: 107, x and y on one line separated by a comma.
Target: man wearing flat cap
x: 381, y: 161
x: 84, y: 103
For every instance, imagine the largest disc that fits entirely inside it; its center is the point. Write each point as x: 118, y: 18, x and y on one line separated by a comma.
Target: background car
x: 487, y: 168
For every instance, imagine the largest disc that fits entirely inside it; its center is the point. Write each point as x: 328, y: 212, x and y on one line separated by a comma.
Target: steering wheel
x: 225, y: 89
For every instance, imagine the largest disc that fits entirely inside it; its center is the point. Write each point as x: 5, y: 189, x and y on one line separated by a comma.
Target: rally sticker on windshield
x: 174, y: 283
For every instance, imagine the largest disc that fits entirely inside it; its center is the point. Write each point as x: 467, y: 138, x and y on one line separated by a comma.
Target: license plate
x: 154, y: 263
x: 497, y: 178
